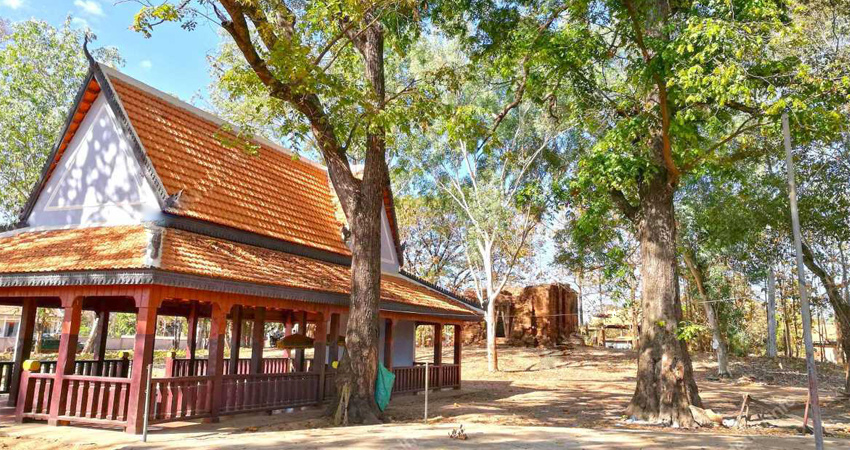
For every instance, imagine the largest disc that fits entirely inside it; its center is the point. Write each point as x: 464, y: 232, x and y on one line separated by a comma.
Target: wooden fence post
x: 215, y: 361
x: 320, y: 347
x: 65, y: 365
x: 23, y: 349
x: 142, y: 357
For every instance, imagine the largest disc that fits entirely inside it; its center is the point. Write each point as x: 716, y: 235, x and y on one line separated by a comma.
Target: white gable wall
x: 98, y: 180
x: 389, y: 258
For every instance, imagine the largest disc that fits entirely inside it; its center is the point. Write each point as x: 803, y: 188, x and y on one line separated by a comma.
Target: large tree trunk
x: 359, y: 369
x: 718, y: 340
x: 840, y: 305
x: 771, y: 314
x: 665, y: 382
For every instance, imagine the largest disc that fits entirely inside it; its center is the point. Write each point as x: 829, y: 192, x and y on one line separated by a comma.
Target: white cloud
x: 146, y: 64
x: 89, y: 7
x: 80, y: 23
x: 14, y: 4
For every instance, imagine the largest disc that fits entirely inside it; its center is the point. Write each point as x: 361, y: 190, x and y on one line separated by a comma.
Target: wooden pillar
x: 192, y: 338
x: 334, y: 339
x: 287, y: 331
x: 388, y: 344
x: 458, y: 343
x: 438, y: 344
x: 235, y: 338
x: 257, y: 340
x: 320, y: 346
x: 438, y: 354
x: 65, y: 360
x: 23, y: 348
x: 143, y: 347
x: 100, y: 342
x: 215, y: 364
x: 458, y: 346
x: 299, y: 353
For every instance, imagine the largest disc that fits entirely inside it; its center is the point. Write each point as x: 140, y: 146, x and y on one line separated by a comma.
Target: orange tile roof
x: 191, y: 253
x: 272, y: 193
x: 103, y: 248
x: 125, y: 247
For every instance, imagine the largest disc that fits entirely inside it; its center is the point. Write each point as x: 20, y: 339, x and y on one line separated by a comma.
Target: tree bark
x: 492, y: 355
x: 360, y: 364
x: 665, y: 383
x: 718, y: 340
x: 771, y: 314
x: 361, y: 200
x: 839, y: 305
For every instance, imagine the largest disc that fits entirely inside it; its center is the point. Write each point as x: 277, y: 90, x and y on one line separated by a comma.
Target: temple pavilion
x: 143, y: 207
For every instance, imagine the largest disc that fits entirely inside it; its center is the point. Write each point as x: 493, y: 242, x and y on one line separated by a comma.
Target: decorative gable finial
x: 86, y: 41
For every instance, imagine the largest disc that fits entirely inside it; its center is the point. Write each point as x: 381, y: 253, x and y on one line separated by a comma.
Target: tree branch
x: 673, y: 173
x: 623, y: 204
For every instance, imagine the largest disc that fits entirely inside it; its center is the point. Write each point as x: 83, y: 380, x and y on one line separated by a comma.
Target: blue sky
x: 173, y: 60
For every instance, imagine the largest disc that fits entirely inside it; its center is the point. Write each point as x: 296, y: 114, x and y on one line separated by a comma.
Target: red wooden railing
x: 450, y: 375
x: 119, y: 368
x: 36, y: 391
x: 265, y: 392
x: 179, y: 367
x: 412, y: 378
x: 104, y: 400
x: 180, y: 398
x: 116, y: 368
x: 95, y: 399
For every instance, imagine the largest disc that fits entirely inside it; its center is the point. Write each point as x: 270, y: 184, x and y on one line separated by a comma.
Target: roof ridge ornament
x: 173, y: 201
x: 86, y: 40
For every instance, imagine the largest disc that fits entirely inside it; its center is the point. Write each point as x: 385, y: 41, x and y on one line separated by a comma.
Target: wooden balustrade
x: 96, y: 400
x: 412, y: 379
x: 179, y: 367
x: 267, y: 392
x: 118, y: 368
x: 409, y: 379
x: 277, y: 365
x: 104, y: 400
x: 450, y: 375
x: 34, y: 396
x: 180, y: 398
x: 101, y: 400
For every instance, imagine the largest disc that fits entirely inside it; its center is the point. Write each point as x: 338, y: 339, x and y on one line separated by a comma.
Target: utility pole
x: 804, y: 295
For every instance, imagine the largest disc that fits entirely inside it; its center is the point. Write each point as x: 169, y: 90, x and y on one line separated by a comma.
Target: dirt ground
x: 590, y: 387
x: 541, y: 399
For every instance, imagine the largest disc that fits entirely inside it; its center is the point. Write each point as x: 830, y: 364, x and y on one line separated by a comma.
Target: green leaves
x: 689, y: 331
x: 148, y: 16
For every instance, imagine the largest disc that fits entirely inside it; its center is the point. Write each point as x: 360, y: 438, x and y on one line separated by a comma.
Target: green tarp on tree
x: 383, y: 387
